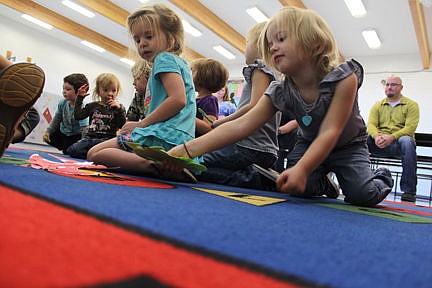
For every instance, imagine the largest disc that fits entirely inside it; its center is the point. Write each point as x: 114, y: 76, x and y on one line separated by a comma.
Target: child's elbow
x: 181, y: 103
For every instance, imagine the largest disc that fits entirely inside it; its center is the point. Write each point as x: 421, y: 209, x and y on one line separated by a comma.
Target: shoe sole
x: 21, y: 85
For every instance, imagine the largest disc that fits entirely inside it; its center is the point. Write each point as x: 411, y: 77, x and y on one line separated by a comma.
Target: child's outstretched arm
x: 293, y: 180
x: 228, y: 133
x: 260, y: 82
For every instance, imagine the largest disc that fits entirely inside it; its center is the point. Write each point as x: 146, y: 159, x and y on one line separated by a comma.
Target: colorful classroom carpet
x: 111, y: 230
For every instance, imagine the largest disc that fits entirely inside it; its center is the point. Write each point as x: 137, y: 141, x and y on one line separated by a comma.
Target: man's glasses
x: 392, y: 84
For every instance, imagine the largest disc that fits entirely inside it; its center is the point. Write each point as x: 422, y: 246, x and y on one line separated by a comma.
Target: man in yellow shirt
x: 391, y: 128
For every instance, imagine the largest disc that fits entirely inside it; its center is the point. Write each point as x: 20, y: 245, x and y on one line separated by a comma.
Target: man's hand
x: 384, y: 140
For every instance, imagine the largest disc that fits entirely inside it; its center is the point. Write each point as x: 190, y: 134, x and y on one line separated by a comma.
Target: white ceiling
x: 391, y: 18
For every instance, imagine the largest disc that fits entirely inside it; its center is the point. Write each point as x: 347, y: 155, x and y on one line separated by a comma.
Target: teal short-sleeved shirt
x: 179, y: 128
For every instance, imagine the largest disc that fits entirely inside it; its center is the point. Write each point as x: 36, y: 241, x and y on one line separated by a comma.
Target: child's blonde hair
x: 310, y: 33
x: 209, y: 74
x: 141, y: 68
x: 253, y: 35
x: 161, y: 18
x: 105, y: 80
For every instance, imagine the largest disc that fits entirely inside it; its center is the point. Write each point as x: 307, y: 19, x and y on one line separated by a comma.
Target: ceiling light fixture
x: 372, y: 39
x: 356, y: 8
x: 127, y: 61
x: 257, y: 14
x: 427, y: 3
x: 37, y: 21
x: 224, y: 52
x: 78, y: 8
x: 191, y: 29
x: 93, y: 46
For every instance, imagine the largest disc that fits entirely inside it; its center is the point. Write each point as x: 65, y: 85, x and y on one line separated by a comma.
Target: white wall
x: 59, y: 59
x: 417, y: 84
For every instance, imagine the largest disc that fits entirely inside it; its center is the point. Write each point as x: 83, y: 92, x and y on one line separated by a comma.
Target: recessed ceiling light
x: 37, y: 21
x: 78, y: 8
x: 93, y: 46
x: 427, y: 3
x: 371, y: 38
x: 127, y: 61
x: 191, y: 29
x: 257, y: 14
x: 224, y: 52
x: 356, y: 8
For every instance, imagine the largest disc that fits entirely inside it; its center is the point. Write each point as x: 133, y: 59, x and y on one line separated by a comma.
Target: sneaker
x: 21, y: 85
x: 333, y: 191
x: 183, y: 176
x: 385, y: 175
x: 267, y: 178
x: 408, y: 197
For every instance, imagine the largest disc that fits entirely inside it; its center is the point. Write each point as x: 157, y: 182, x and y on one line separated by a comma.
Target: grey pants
x: 351, y: 164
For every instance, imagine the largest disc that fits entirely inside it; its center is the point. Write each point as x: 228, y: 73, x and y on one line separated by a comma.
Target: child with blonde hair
x: 157, y: 32
x: 138, y: 108
x: 322, y: 93
x: 106, y: 115
x: 232, y: 164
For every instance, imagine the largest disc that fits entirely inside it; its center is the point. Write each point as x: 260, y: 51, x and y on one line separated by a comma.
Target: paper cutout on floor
x: 88, y: 171
x: 68, y: 166
x: 380, y: 212
x: 246, y: 198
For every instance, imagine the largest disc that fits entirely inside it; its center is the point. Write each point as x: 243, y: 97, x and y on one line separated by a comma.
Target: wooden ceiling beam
x: 296, y: 3
x: 418, y: 18
x: 206, y: 17
x: 62, y: 23
x: 119, y: 15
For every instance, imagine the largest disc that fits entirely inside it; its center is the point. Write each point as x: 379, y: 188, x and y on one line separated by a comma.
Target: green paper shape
x: 378, y: 212
x: 13, y: 160
x: 158, y: 154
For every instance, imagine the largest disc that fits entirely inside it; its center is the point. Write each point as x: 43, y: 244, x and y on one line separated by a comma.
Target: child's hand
x: 46, y: 138
x: 292, y: 181
x: 113, y: 104
x: 82, y: 91
x: 129, y: 126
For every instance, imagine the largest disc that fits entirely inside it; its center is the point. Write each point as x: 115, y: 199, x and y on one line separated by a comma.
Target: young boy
x: 64, y: 130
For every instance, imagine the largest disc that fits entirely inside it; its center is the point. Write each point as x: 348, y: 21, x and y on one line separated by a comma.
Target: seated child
x: 323, y: 95
x: 106, y: 114
x: 64, y: 130
x: 140, y: 103
x: 209, y: 76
